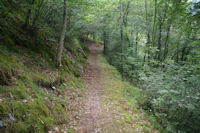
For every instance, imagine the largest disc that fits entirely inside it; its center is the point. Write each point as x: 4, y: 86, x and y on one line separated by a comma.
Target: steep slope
x: 34, y: 94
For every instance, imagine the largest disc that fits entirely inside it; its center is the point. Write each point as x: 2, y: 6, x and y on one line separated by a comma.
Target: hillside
x: 34, y: 93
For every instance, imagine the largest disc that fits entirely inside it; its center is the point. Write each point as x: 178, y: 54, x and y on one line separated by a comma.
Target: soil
x: 93, y: 120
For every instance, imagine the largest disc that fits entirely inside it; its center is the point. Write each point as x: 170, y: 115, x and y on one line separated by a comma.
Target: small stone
x: 11, y: 117
x: 56, y: 129
x: 53, y: 88
x: 1, y: 123
x: 11, y: 96
x: 24, y: 101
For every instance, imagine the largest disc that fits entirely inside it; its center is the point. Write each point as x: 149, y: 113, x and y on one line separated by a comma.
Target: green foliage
x: 28, y: 64
x: 4, y: 110
x: 160, y: 56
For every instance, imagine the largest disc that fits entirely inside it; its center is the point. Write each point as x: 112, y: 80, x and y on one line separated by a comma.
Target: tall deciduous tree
x: 28, y: 16
x: 122, y: 35
x: 62, y: 36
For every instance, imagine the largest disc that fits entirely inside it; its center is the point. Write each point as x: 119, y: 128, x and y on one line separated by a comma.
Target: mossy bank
x: 32, y: 90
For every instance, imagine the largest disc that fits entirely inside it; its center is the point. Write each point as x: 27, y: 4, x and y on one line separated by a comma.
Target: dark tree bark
x: 160, y: 33
x: 147, y: 33
x: 136, y: 44
x: 104, y: 43
x: 37, y: 14
x: 166, y: 40
x: 28, y: 16
x: 154, y: 24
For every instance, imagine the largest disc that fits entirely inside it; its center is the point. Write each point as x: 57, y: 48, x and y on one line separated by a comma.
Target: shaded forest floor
x: 106, y: 109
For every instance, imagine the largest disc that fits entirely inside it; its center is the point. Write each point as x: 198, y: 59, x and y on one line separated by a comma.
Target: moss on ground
x: 32, y: 89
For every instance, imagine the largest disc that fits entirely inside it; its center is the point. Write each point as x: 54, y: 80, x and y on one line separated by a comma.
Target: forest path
x: 93, y: 120
x: 106, y: 109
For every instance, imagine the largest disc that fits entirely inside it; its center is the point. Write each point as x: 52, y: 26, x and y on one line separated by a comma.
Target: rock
x: 11, y: 117
x: 56, y: 129
x: 11, y: 96
x: 2, y: 124
x: 24, y: 101
x: 53, y: 88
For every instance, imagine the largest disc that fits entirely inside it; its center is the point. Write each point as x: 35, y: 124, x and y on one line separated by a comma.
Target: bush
x: 172, y: 89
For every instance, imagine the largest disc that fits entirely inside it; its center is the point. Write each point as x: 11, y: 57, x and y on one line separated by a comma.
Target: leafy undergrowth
x: 124, y: 100
x: 35, y: 96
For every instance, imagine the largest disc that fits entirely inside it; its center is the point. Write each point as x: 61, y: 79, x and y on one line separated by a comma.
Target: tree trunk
x: 154, y: 24
x: 37, y: 14
x: 62, y: 36
x: 93, y: 35
x: 28, y: 14
x: 166, y: 40
x: 147, y: 32
x: 136, y: 44
x: 121, y: 36
x: 160, y: 33
x: 104, y: 43
x: 159, y: 40
x: 147, y: 23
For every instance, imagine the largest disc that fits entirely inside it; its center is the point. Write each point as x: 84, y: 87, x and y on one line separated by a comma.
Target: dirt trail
x: 105, y: 108
x: 93, y: 120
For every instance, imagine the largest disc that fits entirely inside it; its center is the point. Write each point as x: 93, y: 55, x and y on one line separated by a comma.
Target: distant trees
x: 155, y: 43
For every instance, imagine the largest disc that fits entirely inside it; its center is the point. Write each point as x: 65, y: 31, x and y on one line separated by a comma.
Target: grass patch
x: 26, y: 82
x: 124, y: 101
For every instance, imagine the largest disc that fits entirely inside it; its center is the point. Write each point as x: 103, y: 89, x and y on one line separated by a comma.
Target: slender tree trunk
x: 62, y: 36
x: 147, y: 23
x: 122, y: 35
x: 154, y: 24
x: 136, y: 44
x: 183, y: 53
x: 160, y: 34
x: 93, y: 35
x: 37, y: 14
x: 28, y: 16
x: 159, y: 40
x: 166, y: 40
x: 104, y: 43
x: 177, y: 56
x: 147, y: 32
